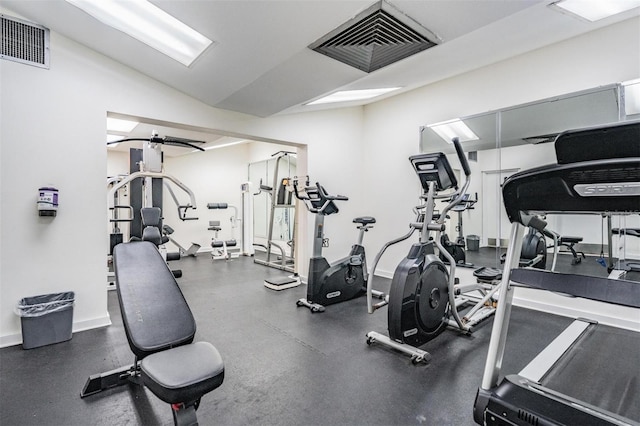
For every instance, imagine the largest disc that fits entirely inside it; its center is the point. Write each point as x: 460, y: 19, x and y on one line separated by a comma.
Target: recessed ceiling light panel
x: 447, y: 130
x: 149, y: 24
x: 594, y: 10
x: 352, y: 95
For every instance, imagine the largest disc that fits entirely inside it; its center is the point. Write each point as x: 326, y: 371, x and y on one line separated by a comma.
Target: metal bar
x: 542, y: 363
x: 497, y: 343
x: 370, y: 307
x: 417, y: 355
x: 137, y: 175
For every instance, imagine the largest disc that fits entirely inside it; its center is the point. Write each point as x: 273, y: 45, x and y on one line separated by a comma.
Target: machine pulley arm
x: 182, y: 209
x: 136, y: 175
x: 167, y: 140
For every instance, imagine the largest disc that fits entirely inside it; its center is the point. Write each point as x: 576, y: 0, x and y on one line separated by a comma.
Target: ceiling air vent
x: 24, y: 42
x: 375, y: 38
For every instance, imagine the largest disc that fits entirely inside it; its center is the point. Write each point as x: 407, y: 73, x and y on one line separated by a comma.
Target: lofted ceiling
x: 261, y: 63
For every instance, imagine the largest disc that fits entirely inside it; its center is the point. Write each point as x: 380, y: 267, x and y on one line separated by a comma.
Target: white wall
x: 53, y: 129
x: 215, y: 177
x: 53, y: 132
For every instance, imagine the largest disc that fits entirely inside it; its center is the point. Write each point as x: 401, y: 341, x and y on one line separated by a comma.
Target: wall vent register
x: 24, y: 42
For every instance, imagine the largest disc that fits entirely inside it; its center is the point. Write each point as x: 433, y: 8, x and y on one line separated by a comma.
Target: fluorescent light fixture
x: 224, y: 145
x: 353, y: 95
x: 149, y: 24
x: 631, y: 97
x: 119, y: 125
x: 448, y: 130
x: 594, y: 10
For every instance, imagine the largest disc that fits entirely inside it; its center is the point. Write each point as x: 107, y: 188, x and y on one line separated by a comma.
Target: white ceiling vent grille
x: 24, y: 42
x: 375, y: 38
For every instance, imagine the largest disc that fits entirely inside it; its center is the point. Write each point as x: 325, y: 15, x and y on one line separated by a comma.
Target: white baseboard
x: 621, y: 317
x: 104, y: 321
x: 10, y: 340
x: 16, y: 338
x: 577, y: 312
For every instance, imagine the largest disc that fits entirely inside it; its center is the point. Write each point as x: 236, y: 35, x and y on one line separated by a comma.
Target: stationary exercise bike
x: 346, y: 278
x: 424, y: 297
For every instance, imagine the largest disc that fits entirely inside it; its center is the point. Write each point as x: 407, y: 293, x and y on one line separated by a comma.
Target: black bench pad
x: 155, y: 314
x: 183, y: 374
x: 569, y: 240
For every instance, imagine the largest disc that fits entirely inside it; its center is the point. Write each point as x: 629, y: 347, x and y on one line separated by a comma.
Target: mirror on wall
x: 274, y: 210
x: 500, y: 143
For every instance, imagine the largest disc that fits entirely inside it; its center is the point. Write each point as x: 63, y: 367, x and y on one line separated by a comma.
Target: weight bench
x: 160, y: 329
x: 221, y: 247
x: 566, y: 241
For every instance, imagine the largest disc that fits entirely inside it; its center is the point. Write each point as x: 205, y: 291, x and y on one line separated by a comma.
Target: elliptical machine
x: 424, y: 297
x: 346, y: 278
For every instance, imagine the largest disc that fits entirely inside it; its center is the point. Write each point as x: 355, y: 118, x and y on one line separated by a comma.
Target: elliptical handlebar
x: 463, y: 160
x: 459, y: 194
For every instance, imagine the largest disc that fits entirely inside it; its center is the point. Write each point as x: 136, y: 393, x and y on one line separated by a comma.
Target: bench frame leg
x: 96, y: 383
x: 185, y: 414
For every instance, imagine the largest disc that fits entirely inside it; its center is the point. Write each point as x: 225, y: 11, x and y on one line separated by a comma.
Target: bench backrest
x: 155, y: 314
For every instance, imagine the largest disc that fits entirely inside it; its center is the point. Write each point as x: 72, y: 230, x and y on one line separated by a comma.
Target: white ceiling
x: 261, y: 65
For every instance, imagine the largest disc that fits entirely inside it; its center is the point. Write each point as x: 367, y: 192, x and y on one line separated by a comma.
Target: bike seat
x: 364, y: 220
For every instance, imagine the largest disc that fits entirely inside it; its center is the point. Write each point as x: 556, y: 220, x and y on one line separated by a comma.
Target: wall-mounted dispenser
x: 47, y: 201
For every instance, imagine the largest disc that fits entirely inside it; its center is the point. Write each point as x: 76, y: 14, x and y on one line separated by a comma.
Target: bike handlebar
x: 325, y: 195
x: 316, y: 198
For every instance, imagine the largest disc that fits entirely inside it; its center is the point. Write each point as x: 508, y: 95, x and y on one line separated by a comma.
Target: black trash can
x: 46, y: 319
x: 473, y: 242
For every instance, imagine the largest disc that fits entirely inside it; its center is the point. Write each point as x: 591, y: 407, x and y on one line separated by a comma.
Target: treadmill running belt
x: 587, y: 372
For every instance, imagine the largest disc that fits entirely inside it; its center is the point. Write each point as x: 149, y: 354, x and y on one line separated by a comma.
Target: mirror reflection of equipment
x: 528, y: 130
x: 279, y: 253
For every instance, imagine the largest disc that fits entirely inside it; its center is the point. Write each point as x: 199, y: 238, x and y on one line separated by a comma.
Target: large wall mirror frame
x: 499, y: 143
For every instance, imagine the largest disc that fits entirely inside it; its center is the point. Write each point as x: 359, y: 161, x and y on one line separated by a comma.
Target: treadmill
x: 590, y: 374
